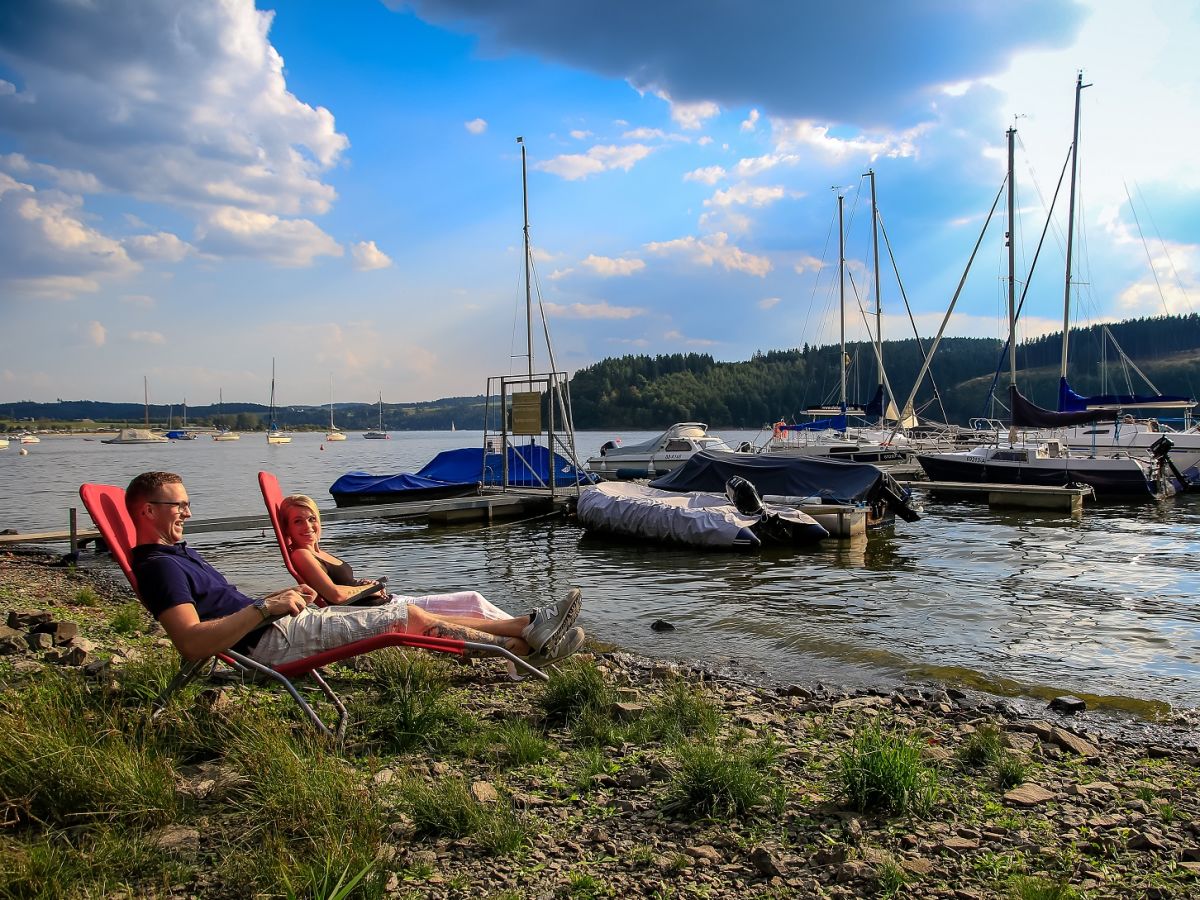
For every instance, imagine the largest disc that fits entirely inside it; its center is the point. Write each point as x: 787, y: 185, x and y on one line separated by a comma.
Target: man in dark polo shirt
x: 204, y: 614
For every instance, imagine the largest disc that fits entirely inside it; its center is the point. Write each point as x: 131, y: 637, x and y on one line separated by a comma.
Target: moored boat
x: 696, y: 519
x: 654, y: 457
x: 136, y: 436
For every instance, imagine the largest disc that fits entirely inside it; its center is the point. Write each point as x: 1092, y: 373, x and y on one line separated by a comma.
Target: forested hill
x: 652, y: 392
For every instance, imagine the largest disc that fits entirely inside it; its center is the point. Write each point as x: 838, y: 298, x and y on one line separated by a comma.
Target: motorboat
x: 656, y: 457
x: 710, y: 521
x: 29, y: 438
x: 226, y: 436
x: 1049, y: 464
x: 3, y: 443
x: 177, y: 434
x: 136, y: 436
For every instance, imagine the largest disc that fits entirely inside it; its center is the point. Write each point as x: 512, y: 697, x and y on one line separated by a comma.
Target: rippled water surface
x: 1103, y: 606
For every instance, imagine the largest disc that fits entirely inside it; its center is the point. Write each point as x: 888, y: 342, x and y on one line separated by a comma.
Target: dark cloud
x: 869, y: 62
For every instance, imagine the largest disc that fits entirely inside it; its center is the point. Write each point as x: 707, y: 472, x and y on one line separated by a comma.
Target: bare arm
x: 196, y: 640
x: 318, y: 579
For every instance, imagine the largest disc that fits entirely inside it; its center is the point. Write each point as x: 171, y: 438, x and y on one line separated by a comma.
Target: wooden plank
x: 449, y: 509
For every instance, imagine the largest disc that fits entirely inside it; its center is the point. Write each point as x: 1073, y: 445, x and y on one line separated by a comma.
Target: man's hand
x: 290, y: 601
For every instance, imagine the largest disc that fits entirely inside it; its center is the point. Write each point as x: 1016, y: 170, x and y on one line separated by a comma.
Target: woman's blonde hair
x: 302, y: 501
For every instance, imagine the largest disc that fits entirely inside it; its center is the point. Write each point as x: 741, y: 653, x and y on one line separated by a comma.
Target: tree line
x: 649, y: 392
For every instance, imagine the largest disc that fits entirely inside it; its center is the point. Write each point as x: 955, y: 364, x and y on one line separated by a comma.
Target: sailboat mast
x: 528, y: 292
x: 1012, y: 284
x: 1012, y: 265
x: 331, y: 401
x: 842, y: 298
x: 878, y: 287
x: 1079, y: 86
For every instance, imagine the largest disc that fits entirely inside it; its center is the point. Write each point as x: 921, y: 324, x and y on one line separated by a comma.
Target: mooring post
x: 74, y: 533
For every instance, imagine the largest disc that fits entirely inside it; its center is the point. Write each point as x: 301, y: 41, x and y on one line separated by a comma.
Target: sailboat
x: 1038, y: 462
x: 224, y: 434
x: 139, y: 435
x: 828, y: 436
x: 274, y: 435
x: 182, y: 434
x: 335, y: 433
x: 379, y: 435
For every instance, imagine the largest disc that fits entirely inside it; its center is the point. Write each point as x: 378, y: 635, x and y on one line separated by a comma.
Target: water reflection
x: 1102, y: 605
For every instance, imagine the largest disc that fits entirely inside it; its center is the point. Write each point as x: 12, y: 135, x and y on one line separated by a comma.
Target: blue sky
x: 190, y: 187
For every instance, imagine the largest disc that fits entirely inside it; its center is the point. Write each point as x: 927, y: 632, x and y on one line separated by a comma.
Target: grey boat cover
x: 696, y: 519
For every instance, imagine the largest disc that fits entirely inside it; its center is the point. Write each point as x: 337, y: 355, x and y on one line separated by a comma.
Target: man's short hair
x: 145, y: 486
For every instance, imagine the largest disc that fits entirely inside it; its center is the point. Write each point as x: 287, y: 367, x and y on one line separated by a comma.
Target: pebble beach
x: 1007, y: 797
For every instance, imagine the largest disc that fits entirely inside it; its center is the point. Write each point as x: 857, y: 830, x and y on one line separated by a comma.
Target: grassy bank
x: 620, y: 776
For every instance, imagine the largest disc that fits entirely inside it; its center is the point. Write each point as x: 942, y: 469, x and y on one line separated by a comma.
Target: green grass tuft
x: 1032, y: 888
x: 884, y: 772
x: 130, y: 618
x: 984, y: 747
x: 520, y: 743
x: 578, y: 687
x: 447, y: 809
x: 715, y: 780
x: 408, y: 706
x: 86, y: 596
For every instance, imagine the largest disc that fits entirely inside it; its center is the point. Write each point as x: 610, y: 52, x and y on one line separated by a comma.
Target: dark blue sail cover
x: 833, y: 481
x: 875, y: 407
x: 528, y: 466
x: 1027, y: 414
x: 1069, y: 401
x: 838, y: 423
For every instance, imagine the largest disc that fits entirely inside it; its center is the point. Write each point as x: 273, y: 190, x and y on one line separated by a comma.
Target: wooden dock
x: 1016, y: 496
x: 488, y: 507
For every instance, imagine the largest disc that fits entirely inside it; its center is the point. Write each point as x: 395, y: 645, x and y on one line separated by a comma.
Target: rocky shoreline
x: 1010, y: 798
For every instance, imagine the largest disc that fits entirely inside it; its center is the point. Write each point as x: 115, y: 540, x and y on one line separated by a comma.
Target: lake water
x: 1034, y: 604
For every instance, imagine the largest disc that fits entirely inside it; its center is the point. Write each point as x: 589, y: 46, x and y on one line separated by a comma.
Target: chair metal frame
x: 106, y: 505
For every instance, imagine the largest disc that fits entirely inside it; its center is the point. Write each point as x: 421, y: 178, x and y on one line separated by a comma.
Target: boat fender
x: 744, y: 496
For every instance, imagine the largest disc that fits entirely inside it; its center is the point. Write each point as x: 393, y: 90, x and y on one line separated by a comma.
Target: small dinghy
x: 738, y: 520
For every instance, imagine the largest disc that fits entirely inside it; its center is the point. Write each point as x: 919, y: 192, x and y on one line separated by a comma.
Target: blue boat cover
x: 528, y: 466
x: 1027, y: 414
x: 365, y: 483
x: 1069, y: 401
x: 838, y: 423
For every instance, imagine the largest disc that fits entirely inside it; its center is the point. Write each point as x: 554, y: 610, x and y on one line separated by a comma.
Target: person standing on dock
x: 204, y: 614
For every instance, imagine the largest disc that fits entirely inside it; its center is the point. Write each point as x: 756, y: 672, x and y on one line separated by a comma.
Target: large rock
x: 60, y: 631
x: 1074, y: 743
x: 27, y: 618
x: 1028, y: 795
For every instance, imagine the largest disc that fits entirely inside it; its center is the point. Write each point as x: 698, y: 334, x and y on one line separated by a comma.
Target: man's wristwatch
x: 261, y: 605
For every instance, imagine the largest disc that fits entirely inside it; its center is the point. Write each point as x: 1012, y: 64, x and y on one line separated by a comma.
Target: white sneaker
x: 570, y: 643
x: 550, y: 623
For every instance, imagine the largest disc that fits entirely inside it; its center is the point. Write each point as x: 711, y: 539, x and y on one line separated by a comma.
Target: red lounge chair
x: 106, y: 505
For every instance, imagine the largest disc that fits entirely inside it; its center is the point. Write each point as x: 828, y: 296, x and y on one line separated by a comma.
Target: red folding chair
x: 106, y: 505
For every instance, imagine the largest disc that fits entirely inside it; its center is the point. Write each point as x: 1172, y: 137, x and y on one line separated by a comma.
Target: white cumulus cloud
x: 96, y: 333
x: 768, y: 302
x: 161, y: 246
x: 751, y: 121
x: 747, y: 195
x: 607, y: 266
x: 476, y: 126
x: 367, y: 256
x: 573, y: 166
x: 707, y: 175
x: 601, y: 310
x: 230, y: 231
x: 690, y: 116
x: 713, y: 249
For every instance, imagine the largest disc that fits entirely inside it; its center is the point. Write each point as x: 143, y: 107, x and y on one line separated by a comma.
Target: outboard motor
x: 744, y: 496
x: 1161, y: 451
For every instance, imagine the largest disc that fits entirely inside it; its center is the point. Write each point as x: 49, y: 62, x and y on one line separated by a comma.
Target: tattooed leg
x: 437, y: 628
